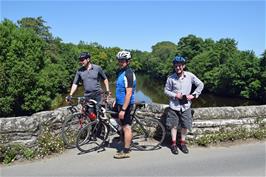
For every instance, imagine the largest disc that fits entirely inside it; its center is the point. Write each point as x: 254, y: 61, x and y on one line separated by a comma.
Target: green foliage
x: 207, y: 67
x: 35, y: 67
x: 227, y: 136
x: 49, y: 143
x: 190, y: 46
x: 240, y: 74
x: 33, y: 71
x: 37, y: 25
x: 159, y: 62
x: 262, y: 91
x: 22, y: 61
x: 13, y: 152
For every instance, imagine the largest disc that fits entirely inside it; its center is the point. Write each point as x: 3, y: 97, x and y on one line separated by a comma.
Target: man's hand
x: 121, y: 114
x: 179, y: 95
x: 68, y: 98
x: 108, y: 93
x: 190, y: 97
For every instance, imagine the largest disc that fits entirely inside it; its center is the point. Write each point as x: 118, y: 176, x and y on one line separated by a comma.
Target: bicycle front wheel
x: 148, y: 133
x: 71, y: 127
x: 92, y: 137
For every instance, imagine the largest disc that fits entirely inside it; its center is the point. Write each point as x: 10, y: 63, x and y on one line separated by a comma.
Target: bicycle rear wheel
x: 71, y: 127
x: 148, y: 133
x: 92, y: 137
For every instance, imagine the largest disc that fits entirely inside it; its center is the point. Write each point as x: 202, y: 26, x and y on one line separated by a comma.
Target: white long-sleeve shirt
x: 183, y: 85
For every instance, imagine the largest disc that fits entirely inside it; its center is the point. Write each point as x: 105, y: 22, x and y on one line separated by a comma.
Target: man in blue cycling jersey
x: 125, y: 98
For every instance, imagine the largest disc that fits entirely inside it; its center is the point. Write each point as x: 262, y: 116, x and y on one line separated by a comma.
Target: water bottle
x: 114, y: 123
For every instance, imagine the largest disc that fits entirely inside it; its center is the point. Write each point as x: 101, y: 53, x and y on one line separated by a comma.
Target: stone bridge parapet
x: 205, y: 120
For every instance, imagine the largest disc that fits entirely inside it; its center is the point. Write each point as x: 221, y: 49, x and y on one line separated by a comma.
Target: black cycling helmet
x: 179, y: 59
x: 84, y: 55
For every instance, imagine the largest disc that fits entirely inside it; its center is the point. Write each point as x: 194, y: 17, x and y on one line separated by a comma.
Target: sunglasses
x: 82, y: 59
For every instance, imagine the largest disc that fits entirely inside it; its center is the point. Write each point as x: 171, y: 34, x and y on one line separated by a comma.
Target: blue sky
x: 141, y: 24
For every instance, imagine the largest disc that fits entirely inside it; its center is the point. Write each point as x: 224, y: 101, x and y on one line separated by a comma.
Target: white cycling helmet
x: 123, y: 55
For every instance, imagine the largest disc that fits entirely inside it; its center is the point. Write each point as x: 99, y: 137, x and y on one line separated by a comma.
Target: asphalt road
x: 236, y: 160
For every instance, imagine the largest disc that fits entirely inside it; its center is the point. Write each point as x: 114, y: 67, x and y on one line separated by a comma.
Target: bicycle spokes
x: 96, y: 135
x: 148, y: 134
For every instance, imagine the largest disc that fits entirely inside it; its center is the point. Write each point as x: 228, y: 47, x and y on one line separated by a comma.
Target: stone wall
x: 215, y: 119
x: 206, y: 120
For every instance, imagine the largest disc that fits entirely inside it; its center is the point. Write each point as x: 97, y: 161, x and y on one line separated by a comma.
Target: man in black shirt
x: 90, y: 74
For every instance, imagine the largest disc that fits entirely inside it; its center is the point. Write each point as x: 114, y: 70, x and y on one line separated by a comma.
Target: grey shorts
x: 179, y: 118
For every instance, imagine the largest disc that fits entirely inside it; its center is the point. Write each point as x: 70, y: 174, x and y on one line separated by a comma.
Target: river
x: 151, y: 91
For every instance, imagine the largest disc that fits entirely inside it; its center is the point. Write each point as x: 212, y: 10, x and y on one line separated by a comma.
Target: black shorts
x: 127, y: 119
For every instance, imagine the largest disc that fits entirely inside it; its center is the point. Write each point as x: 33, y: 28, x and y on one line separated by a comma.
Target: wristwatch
x: 194, y: 95
x: 122, y: 109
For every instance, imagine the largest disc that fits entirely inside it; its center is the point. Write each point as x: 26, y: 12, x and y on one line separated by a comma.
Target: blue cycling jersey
x: 125, y: 79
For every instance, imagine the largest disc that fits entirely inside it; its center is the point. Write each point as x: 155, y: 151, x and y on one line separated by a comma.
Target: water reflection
x: 150, y: 90
x: 140, y: 96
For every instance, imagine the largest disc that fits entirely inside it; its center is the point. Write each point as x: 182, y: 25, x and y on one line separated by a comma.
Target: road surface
x: 236, y: 160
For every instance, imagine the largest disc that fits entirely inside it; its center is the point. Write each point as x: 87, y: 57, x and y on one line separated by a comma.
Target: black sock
x: 126, y: 150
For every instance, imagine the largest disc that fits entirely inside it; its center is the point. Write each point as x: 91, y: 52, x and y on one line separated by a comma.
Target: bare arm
x: 127, y: 98
x: 126, y: 103
x: 73, y: 89
x: 106, y: 83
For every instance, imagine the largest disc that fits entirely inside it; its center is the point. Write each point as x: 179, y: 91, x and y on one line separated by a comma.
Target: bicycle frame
x: 143, y: 130
x: 111, y: 126
x: 81, y: 101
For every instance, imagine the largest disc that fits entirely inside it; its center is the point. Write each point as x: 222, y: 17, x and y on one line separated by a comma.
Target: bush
x: 227, y: 136
x: 47, y: 144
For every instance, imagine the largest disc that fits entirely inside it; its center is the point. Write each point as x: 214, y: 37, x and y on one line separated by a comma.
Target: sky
x: 139, y: 24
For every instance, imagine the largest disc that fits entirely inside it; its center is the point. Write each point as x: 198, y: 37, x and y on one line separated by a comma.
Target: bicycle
x: 148, y: 133
x: 76, y: 120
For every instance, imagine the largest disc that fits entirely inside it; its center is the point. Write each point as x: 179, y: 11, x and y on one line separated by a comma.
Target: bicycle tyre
x: 95, y: 137
x: 147, y: 134
x: 71, y: 127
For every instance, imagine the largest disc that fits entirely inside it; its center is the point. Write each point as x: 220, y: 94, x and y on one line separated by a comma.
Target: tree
x: 190, y: 46
x: 206, y: 66
x: 226, y: 48
x: 29, y: 79
x: 37, y: 25
x: 164, y: 50
x: 239, y: 76
x: 159, y: 63
x: 262, y: 92
x: 36, y: 68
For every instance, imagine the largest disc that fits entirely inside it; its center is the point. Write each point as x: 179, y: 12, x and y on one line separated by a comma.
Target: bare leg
x: 183, y: 134
x: 127, y: 135
x: 173, y: 134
